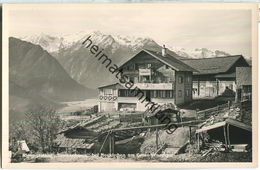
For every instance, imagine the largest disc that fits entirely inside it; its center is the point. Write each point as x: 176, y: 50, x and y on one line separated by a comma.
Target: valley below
x: 74, y: 106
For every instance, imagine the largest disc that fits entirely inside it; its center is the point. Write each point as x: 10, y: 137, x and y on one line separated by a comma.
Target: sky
x: 228, y: 30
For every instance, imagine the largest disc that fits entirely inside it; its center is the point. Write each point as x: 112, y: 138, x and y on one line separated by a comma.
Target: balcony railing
x: 155, y: 86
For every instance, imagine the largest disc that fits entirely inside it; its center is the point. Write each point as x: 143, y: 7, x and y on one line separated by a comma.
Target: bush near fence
x: 205, y: 114
x: 87, y: 111
x: 131, y: 117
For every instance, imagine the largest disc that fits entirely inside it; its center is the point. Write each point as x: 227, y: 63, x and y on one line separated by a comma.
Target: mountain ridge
x: 81, y: 66
x: 67, y: 40
x: 33, y: 68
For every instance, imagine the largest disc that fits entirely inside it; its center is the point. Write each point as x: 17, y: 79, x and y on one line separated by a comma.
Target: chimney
x: 164, y: 51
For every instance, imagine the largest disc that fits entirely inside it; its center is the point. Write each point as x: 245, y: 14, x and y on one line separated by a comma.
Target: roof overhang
x: 115, y: 84
x: 227, y: 75
x: 161, y: 60
x: 223, y: 123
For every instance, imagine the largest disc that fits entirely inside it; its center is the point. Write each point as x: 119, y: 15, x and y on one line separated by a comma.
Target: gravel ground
x: 212, y: 157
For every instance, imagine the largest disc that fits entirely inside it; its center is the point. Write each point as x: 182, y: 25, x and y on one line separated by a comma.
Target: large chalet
x: 161, y: 76
x: 165, y: 77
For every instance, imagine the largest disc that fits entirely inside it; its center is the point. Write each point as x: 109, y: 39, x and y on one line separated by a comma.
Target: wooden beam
x: 217, y: 87
x: 156, y: 138
x: 198, y: 140
x: 225, y: 136
x: 198, y: 87
x: 187, y: 123
x: 104, y: 143
x: 190, y: 133
x: 112, y: 143
x: 228, y: 137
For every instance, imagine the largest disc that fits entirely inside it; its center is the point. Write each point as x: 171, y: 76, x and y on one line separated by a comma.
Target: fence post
x: 190, y: 133
x: 112, y: 143
x: 198, y: 141
x: 225, y: 137
x: 157, y: 136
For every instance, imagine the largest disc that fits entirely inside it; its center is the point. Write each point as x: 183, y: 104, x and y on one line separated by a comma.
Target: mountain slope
x: 22, y: 100
x: 35, y: 69
x: 85, y: 69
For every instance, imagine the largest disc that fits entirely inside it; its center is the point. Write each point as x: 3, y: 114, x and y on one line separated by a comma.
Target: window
x: 132, y: 79
x: 180, y: 79
x: 161, y: 93
x: 108, y: 91
x: 187, y: 93
x: 136, y: 67
x: 247, y: 88
x: 131, y: 67
x: 169, y: 94
x: 179, y: 93
x: 136, y: 80
x: 188, y: 78
x: 167, y: 79
x: 126, y: 93
x: 231, y: 86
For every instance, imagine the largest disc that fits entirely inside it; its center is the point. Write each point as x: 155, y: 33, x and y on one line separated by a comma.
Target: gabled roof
x: 64, y: 142
x: 169, y: 60
x: 214, y: 65
x: 227, y: 75
x: 229, y: 121
x: 108, y: 85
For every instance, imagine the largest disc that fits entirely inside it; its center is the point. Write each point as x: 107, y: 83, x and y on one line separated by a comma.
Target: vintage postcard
x: 130, y: 85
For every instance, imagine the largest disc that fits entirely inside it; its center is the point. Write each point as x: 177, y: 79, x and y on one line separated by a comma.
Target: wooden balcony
x: 155, y: 86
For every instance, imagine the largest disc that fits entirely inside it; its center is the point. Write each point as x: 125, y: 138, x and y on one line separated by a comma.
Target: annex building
x: 216, y: 74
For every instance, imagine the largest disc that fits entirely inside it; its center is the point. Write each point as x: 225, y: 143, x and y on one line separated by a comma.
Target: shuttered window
x: 162, y: 93
x: 179, y: 93
x: 180, y: 79
x: 108, y: 91
x: 187, y: 93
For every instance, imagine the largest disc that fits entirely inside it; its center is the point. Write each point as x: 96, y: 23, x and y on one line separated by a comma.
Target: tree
x: 43, y: 124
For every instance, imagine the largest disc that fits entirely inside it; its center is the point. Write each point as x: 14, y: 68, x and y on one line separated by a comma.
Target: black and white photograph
x: 130, y: 83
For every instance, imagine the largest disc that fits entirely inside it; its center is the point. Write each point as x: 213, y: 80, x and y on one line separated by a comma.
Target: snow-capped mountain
x: 47, y: 42
x: 53, y: 44
x: 79, y: 63
x: 199, y: 52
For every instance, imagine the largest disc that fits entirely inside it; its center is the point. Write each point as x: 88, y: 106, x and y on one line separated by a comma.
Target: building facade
x: 244, y: 83
x: 215, y: 74
x: 161, y: 77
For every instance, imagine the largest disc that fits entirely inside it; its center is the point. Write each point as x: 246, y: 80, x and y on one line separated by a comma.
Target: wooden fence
x: 205, y: 114
x: 131, y: 117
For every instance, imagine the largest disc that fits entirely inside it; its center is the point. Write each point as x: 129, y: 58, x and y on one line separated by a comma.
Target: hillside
x: 85, y: 69
x: 22, y: 100
x: 33, y: 68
